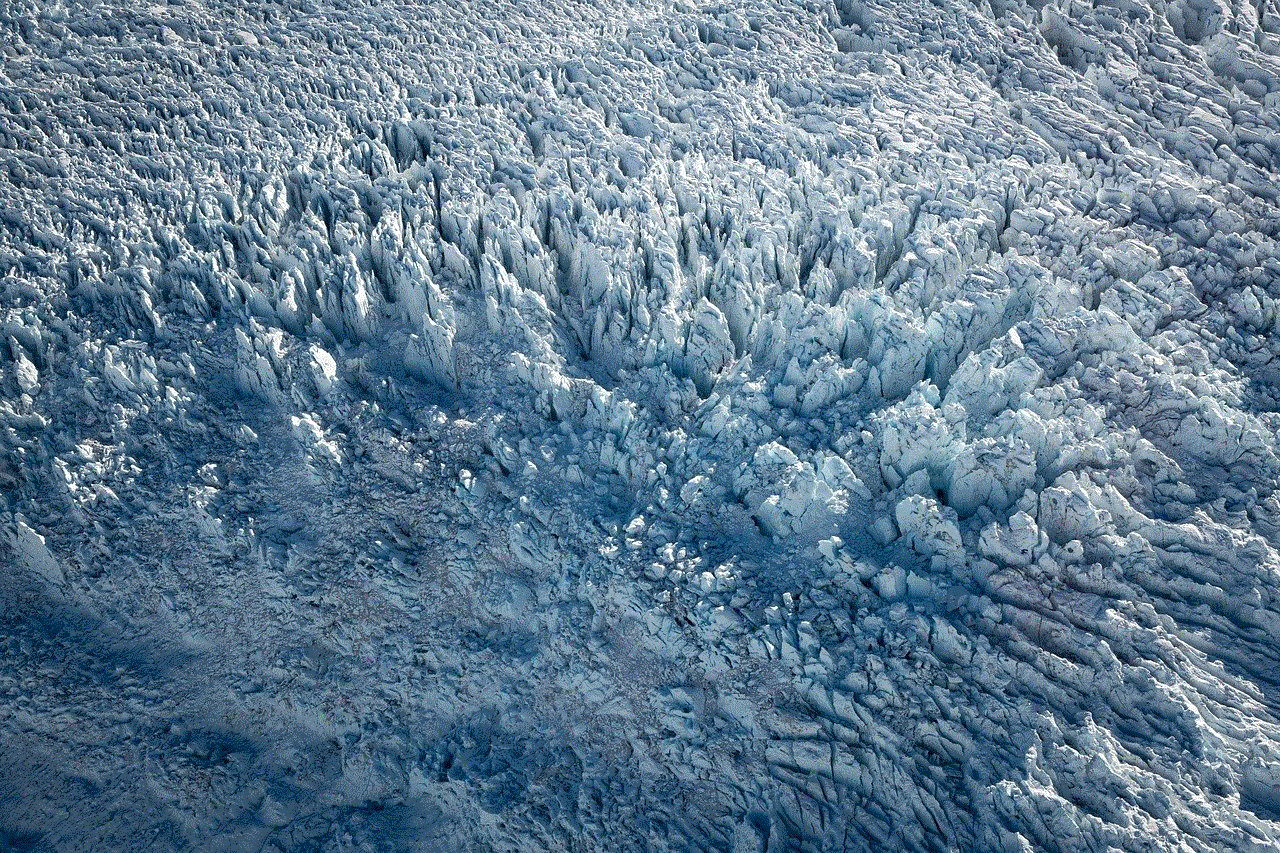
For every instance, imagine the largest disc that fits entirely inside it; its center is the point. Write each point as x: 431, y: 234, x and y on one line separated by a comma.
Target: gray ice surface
x: 758, y: 426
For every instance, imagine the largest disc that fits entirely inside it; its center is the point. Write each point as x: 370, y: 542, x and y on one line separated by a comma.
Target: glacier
x: 745, y: 426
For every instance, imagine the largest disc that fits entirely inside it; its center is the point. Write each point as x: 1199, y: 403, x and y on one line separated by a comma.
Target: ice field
x: 757, y: 426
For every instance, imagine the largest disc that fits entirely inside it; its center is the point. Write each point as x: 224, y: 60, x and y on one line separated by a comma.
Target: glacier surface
x: 748, y: 426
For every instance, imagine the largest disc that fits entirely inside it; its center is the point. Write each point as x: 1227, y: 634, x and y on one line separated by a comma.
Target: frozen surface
x: 765, y: 426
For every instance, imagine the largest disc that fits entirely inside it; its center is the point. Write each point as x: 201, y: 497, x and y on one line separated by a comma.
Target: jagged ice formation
x: 758, y: 426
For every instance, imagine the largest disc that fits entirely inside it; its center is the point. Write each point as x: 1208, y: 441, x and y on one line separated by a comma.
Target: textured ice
x: 752, y: 426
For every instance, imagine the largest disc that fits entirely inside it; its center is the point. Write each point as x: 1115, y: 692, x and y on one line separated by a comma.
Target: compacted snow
x: 769, y: 425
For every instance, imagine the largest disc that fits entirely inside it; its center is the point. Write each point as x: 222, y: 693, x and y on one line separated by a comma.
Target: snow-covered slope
x: 758, y: 426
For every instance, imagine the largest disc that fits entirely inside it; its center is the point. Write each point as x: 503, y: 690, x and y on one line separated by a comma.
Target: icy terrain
x: 763, y: 426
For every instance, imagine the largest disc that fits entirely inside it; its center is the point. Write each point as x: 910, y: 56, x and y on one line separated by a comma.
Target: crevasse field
x: 770, y: 425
